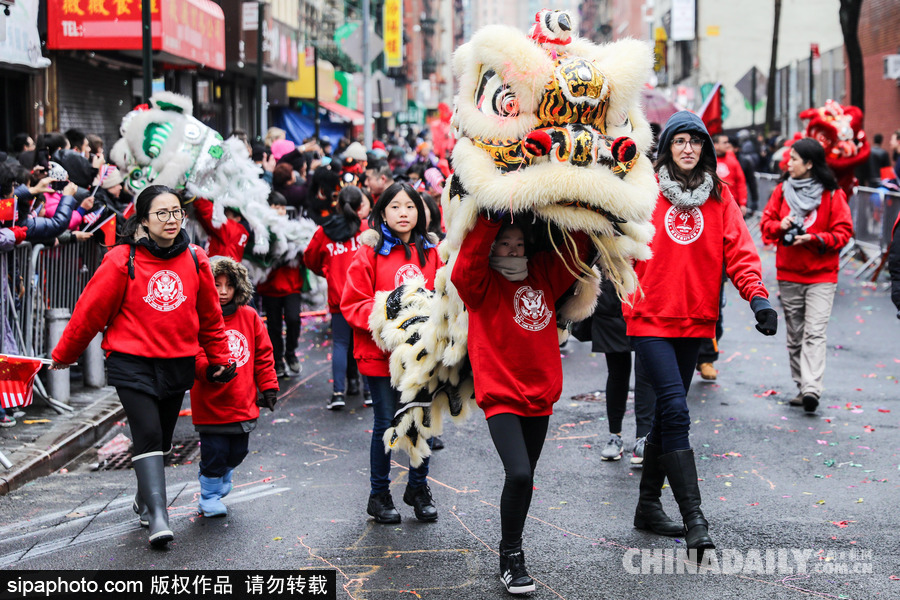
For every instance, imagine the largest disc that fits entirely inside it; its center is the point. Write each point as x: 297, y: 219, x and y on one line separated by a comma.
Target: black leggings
x: 519, y: 441
x: 618, y: 366
x: 283, y: 309
x: 151, y: 419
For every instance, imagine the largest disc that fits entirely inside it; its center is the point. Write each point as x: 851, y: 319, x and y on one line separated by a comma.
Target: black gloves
x: 766, y: 317
x: 227, y: 375
x: 268, y: 399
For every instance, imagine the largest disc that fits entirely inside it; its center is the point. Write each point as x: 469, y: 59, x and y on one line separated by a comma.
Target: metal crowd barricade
x: 874, y: 212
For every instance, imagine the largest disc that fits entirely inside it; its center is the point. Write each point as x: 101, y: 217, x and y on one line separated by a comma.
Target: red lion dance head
x: 840, y: 131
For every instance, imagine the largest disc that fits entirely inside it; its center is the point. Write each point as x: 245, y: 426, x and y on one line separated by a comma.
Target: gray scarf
x: 514, y: 268
x: 681, y: 197
x: 802, y: 195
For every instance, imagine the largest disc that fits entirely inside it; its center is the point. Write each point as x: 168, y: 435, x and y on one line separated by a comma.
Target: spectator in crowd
x: 22, y: 142
x: 284, y: 181
x: 749, y: 171
x: 895, y: 152
x: 379, y: 177
x: 322, y: 197
x: 273, y: 134
x: 878, y: 159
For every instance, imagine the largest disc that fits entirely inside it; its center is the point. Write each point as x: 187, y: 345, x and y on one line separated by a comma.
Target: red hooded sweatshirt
x: 817, y: 260
x: 168, y: 310
x: 331, y: 260
x: 513, y: 344
x: 678, y: 295
x: 251, y: 350
x: 369, y: 273
x: 228, y: 239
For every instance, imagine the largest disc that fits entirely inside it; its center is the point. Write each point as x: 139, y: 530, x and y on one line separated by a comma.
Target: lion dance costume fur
x: 163, y: 144
x: 551, y: 131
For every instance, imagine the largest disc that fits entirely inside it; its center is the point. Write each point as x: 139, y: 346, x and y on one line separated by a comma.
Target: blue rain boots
x: 212, y: 489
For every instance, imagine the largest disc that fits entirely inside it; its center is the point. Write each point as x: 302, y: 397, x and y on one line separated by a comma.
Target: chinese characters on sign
x: 393, y: 33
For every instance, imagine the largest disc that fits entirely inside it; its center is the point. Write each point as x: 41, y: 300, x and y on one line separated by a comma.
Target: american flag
x: 91, y: 218
x: 17, y: 380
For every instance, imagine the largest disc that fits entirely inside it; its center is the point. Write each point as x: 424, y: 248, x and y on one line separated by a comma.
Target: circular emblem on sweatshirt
x: 238, y: 346
x: 809, y: 219
x: 531, y: 309
x: 165, y: 292
x: 684, y: 225
x: 407, y: 272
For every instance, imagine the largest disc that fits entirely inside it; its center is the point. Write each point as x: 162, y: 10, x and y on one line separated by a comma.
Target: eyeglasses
x: 165, y: 215
x: 695, y: 143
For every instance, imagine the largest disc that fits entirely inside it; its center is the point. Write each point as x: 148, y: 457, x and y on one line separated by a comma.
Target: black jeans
x: 519, y: 441
x: 284, y: 309
x: 619, y: 366
x: 151, y: 419
x: 220, y: 452
x: 669, y: 364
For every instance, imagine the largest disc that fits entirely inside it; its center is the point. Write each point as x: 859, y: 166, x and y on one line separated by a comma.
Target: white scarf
x: 681, y: 197
x: 514, y: 268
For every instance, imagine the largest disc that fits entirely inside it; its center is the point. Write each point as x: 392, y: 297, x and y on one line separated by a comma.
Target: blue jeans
x: 669, y: 364
x: 220, y: 452
x: 342, y: 354
x: 385, y: 401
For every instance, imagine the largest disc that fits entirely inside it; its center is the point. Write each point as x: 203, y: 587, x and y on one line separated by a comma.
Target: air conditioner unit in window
x: 892, y: 66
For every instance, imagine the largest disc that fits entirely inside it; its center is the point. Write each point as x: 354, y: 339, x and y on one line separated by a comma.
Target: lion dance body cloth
x: 550, y: 130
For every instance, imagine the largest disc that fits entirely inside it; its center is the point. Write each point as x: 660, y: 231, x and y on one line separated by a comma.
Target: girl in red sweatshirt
x: 329, y: 254
x: 808, y: 219
x: 514, y: 351
x: 224, y: 415
x: 155, y: 296
x: 698, y: 228
x: 396, y: 249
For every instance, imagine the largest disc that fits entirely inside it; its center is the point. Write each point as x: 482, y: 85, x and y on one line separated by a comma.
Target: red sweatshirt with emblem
x: 817, y: 260
x: 283, y: 281
x: 371, y: 272
x: 679, y: 287
x: 228, y: 239
x: 728, y: 168
x: 331, y: 260
x: 251, y: 350
x: 168, y: 310
x: 513, y: 345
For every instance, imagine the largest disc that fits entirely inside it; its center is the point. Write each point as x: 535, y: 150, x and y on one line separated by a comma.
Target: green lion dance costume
x: 550, y: 130
x: 163, y: 144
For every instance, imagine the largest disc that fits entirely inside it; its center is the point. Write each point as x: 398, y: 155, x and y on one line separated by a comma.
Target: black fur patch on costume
x: 405, y: 324
x: 411, y: 340
x: 394, y: 303
x: 457, y: 188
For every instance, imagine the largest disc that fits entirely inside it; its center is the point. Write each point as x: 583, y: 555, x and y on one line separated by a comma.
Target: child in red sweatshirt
x: 224, y: 415
x: 514, y: 351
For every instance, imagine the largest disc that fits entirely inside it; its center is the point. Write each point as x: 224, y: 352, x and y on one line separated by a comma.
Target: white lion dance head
x: 550, y: 130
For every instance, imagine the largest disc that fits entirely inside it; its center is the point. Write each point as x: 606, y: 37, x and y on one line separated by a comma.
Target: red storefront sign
x: 186, y: 29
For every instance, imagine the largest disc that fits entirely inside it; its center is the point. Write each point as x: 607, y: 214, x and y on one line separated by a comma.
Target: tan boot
x: 796, y: 400
x: 707, y: 371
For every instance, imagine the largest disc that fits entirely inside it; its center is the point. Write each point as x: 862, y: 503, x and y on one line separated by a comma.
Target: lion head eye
x: 494, y: 98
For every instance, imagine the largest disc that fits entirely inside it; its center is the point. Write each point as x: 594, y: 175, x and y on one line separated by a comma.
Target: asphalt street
x: 778, y: 486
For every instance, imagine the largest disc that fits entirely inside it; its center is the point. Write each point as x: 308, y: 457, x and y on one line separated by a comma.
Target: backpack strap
x: 194, y: 256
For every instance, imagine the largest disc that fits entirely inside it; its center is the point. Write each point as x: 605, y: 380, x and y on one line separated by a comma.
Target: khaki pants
x: 807, y: 308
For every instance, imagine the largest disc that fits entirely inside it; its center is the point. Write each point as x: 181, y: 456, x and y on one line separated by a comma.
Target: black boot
x: 151, y: 477
x: 420, y: 499
x: 649, y: 515
x: 353, y: 386
x: 140, y: 509
x: 681, y: 470
x: 513, y: 573
x: 381, y: 506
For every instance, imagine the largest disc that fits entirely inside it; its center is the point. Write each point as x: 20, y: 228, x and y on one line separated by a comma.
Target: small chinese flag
x: 711, y: 111
x: 8, y: 209
x: 129, y: 211
x: 17, y: 380
x: 108, y: 228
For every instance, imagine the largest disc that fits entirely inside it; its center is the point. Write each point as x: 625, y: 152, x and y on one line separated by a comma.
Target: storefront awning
x: 348, y: 115
x: 185, y: 31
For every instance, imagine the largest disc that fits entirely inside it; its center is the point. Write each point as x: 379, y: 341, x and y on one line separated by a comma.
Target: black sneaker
x: 336, y: 402
x: 352, y: 386
x: 810, y: 403
x: 367, y: 398
x: 279, y: 369
x: 513, y: 573
x: 420, y: 499
x: 293, y: 364
x: 381, y: 507
x: 437, y: 443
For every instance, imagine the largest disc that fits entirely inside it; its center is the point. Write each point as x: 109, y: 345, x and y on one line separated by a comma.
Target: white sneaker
x: 613, y: 449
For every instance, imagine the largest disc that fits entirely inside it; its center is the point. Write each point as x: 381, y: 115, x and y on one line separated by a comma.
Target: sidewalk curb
x: 54, y: 449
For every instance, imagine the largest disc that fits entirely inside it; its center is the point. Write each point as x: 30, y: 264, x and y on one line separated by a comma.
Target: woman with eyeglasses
x: 808, y: 219
x: 698, y: 228
x: 155, y: 296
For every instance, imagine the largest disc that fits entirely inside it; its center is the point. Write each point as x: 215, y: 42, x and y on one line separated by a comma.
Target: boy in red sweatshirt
x: 224, y: 415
